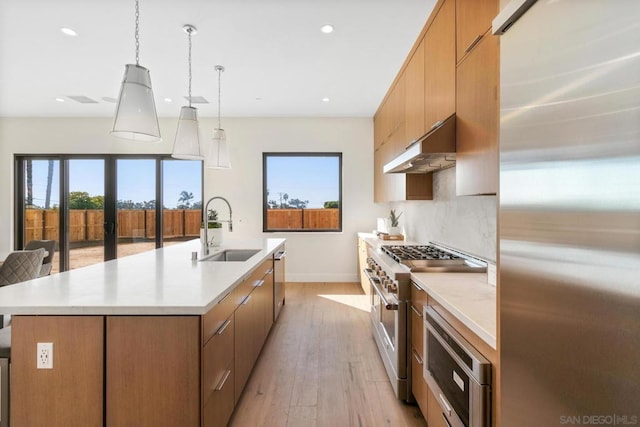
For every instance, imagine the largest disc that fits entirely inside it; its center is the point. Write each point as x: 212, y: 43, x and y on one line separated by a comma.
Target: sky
x: 136, y: 180
x: 312, y: 178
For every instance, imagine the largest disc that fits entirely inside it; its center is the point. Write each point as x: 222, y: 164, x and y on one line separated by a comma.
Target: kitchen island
x: 153, y: 339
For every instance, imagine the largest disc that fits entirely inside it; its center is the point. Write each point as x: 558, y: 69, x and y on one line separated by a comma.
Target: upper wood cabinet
x: 473, y: 19
x: 477, y: 120
x: 440, y: 66
x: 414, y: 79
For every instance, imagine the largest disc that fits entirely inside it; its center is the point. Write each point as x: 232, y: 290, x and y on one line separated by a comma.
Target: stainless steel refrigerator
x: 569, y: 224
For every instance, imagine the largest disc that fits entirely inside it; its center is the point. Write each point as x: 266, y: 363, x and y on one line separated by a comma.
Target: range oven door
x: 389, y: 322
x: 458, y: 375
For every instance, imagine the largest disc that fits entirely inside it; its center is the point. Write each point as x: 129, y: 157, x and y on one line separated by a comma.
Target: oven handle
x: 388, y: 305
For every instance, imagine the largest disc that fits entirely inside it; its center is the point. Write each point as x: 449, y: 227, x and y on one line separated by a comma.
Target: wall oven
x: 457, y: 374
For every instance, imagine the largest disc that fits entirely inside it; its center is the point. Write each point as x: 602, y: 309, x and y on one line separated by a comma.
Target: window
x: 302, y: 192
x: 101, y: 207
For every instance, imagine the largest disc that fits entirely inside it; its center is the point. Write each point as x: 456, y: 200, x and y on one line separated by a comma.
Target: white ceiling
x: 271, y: 49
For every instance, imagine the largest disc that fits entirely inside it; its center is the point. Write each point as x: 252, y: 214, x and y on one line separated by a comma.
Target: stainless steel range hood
x: 434, y: 151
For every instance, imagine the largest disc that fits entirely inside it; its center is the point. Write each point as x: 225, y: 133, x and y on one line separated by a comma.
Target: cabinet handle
x: 437, y: 124
x: 224, y: 297
x: 246, y: 300
x: 417, y: 357
x: 223, y: 327
x: 446, y: 406
x: 473, y: 43
x: 416, y: 311
x: 258, y: 283
x: 416, y: 286
x: 269, y: 271
x: 224, y: 379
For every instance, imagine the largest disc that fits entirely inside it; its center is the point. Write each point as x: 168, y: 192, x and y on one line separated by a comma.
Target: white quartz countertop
x: 160, y: 282
x: 467, y: 296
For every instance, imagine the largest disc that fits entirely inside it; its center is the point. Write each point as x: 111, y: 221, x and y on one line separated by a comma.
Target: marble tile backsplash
x: 468, y: 223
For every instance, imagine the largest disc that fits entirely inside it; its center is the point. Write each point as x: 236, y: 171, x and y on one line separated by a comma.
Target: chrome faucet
x: 205, y: 221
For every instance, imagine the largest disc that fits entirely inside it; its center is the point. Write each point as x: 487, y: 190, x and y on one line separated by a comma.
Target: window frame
x: 110, y: 164
x: 265, y: 205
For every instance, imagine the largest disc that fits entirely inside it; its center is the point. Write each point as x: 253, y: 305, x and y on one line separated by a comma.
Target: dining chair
x: 50, y: 247
x: 19, y: 267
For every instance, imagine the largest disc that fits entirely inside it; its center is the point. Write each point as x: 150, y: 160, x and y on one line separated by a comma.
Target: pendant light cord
x: 219, y: 68
x: 137, y: 33
x: 189, y: 33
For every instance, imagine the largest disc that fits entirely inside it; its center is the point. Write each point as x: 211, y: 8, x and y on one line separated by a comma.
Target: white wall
x: 311, y: 256
x: 468, y: 223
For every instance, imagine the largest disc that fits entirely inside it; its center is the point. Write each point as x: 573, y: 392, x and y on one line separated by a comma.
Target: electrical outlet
x: 45, y: 355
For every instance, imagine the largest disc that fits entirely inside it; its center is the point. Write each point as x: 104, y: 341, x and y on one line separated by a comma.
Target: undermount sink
x: 231, y: 255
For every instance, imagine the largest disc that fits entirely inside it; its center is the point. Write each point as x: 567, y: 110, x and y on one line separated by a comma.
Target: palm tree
x: 185, y: 199
x: 29, y: 183
x: 47, y: 201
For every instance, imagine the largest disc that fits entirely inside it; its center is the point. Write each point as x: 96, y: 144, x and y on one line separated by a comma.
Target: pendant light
x: 187, y: 143
x: 136, y: 117
x: 218, y: 155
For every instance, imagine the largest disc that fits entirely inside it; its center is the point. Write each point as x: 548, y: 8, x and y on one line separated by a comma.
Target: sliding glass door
x: 41, y: 202
x: 85, y: 212
x: 136, y: 206
x: 102, y: 207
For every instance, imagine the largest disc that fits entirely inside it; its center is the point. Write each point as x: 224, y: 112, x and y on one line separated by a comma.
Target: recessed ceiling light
x: 327, y: 28
x: 168, y: 100
x: 325, y: 100
x: 69, y: 31
x: 258, y: 99
x: 60, y: 99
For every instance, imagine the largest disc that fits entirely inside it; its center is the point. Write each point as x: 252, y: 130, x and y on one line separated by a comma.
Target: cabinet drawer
x: 215, y: 318
x: 418, y: 384
x: 217, y: 362
x: 218, y: 409
x: 419, y: 300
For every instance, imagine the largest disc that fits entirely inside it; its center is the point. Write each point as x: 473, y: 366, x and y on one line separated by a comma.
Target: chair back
x: 48, y: 245
x: 21, y: 266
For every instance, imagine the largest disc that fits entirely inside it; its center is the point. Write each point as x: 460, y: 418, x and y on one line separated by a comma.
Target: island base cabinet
x: 70, y: 394
x: 153, y: 371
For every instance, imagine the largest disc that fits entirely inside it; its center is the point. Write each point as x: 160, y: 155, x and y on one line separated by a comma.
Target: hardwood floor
x: 320, y: 366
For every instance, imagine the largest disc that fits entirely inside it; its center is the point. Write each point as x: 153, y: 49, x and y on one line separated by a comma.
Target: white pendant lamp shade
x: 218, y: 155
x: 136, y: 116
x: 187, y: 142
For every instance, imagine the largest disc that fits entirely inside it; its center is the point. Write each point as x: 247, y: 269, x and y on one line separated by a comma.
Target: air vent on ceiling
x: 197, y: 99
x: 83, y: 99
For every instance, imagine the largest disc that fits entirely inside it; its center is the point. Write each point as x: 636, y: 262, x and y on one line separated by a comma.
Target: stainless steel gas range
x: 389, y: 273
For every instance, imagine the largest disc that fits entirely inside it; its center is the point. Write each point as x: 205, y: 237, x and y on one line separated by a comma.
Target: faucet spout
x: 205, y: 220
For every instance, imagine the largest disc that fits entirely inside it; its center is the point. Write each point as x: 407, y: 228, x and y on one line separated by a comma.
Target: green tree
x: 334, y: 204
x: 82, y: 200
x: 98, y: 202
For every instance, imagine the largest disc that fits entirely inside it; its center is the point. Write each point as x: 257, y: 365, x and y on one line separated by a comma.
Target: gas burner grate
x: 415, y: 252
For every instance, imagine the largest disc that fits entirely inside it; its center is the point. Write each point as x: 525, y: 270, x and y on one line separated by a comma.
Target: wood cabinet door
x: 435, y: 416
x: 473, y: 19
x: 153, y: 371
x: 419, y: 386
x: 440, y: 66
x: 362, y: 264
x: 378, y: 176
x: 397, y: 138
x: 245, y: 345
x: 477, y: 120
x: 414, y: 96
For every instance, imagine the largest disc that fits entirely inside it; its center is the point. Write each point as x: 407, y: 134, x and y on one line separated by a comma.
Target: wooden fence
x: 303, y: 219
x: 88, y: 225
